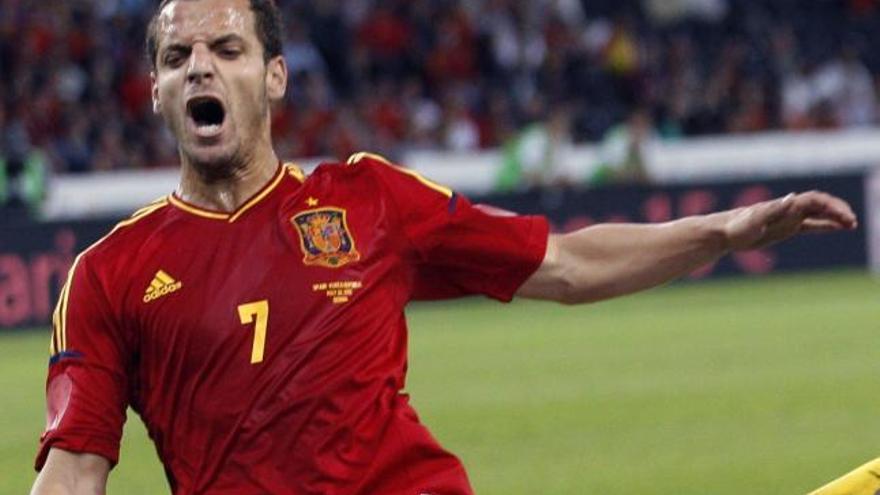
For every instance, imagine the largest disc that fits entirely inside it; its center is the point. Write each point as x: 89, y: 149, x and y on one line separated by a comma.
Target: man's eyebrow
x: 227, y: 38
x: 176, y: 47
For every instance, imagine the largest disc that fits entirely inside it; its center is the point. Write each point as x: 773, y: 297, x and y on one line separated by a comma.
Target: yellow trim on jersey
x: 65, y: 295
x: 419, y: 177
x: 58, y: 342
x: 150, y: 206
x: 295, y: 171
x: 196, y: 211
x: 427, y: 182
x: 365, y: 154
x: 53, y: 342
x: 142, y: 213
x: 258, y: 198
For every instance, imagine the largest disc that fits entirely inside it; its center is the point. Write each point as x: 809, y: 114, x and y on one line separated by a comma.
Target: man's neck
x: 226, y: 193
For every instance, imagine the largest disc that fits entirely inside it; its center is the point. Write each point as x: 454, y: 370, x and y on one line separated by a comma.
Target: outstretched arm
x: 609, y: 260
x: 69, y: 473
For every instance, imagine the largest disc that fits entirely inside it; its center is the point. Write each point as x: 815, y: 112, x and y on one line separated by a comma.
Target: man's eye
x: 229, y: 52
x: 173, y: 59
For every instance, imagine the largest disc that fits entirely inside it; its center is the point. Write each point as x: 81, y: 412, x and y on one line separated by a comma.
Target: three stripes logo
x: 161, y: 285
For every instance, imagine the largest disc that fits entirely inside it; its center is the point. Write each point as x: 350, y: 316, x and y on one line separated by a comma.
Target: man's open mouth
x: 207, y: 113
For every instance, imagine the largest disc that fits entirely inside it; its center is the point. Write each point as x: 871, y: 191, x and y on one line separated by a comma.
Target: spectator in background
x: 23, y: 170
x: 623, y: 151
x: 849, y: 88
x: 300, y: 53
x: 23, y: 175
x: 535, y: 157
x: 799, y: 97
x: 386, y: 34
x: 424, y: 117
x: 671, y: 11
x: 699, y: 66
x: 460, y: 130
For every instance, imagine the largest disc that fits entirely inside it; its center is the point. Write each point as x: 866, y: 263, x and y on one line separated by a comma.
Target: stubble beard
x: 219, y: 167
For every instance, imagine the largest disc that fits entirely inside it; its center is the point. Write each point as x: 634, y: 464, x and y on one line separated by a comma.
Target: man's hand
x: 769, y: 222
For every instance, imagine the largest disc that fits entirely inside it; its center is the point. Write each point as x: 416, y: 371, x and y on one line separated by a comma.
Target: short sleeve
x: 458, y: 248
x: 86, y: 384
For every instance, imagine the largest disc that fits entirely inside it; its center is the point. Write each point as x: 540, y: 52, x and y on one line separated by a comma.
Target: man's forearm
x: 68, y: 473
x: 611, y: 260
x: 615, y: 259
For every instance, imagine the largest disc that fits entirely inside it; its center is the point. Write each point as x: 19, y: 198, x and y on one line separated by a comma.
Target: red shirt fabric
x: 266, y: 349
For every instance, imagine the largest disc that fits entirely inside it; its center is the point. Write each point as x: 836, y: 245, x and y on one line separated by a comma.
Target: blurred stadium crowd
x: 396, y: 75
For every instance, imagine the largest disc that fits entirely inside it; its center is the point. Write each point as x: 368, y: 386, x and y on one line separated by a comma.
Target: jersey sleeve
x: 458, y: 248
x: 86, y: 384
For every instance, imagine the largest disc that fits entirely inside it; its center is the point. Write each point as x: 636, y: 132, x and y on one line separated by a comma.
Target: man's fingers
x: 772, y: 221
x: 821, y: 225
x: 818, y: 205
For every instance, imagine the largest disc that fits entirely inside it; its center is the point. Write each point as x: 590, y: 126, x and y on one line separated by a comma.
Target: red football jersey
x: 265, y: 349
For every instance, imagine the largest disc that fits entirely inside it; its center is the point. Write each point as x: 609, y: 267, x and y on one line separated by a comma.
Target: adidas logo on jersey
x: 161, y: 285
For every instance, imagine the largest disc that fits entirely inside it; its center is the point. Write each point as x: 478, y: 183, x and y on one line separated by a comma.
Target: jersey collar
x: 232, y: 216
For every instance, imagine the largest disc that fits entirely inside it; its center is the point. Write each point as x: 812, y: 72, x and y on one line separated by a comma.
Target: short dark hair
x: 268, y: 27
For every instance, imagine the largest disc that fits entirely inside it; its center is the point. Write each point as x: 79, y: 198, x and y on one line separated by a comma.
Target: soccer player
x: 864, y: 480
x: 254, y: 318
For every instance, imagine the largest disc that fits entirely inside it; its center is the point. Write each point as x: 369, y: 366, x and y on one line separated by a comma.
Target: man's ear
x: 276, y: 78
x: 154, y: 92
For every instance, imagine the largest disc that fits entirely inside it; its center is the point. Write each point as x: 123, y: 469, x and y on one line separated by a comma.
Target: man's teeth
x: 210, y: 127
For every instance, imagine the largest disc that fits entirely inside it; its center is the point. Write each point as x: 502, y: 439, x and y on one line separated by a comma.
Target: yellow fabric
x: 864, y: 480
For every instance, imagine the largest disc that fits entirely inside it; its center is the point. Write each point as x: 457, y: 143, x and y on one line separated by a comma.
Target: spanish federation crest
x: 324, y: 237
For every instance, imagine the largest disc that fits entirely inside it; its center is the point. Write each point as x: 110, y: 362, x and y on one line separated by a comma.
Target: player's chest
x: 303, y: 273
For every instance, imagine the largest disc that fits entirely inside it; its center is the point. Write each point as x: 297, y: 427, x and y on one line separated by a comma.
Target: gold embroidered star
x: 312, y: 201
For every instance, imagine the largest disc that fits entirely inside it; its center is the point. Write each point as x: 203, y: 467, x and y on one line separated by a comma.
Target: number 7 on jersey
x: 260, y: 310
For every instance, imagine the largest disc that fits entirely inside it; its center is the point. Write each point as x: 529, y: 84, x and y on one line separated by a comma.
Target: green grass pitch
x: 748, y: 386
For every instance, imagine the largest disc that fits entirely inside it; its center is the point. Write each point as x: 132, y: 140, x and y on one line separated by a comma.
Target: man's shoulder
x: 366, y: 166
x: 359, y: 171
x: 357, y: 163
x: 365, y: 158
x: 130, y: 232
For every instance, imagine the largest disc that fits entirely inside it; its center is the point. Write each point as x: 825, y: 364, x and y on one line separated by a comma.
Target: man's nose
x: 201, y: 64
